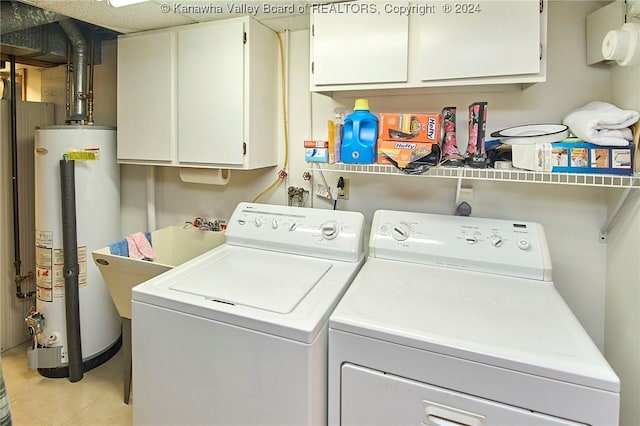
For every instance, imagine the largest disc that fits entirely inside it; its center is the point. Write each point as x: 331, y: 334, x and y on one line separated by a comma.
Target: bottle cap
x: 361, y: 104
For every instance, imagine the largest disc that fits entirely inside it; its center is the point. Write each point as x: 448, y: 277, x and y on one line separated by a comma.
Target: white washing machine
x: 455, y: 321
x: 238, y: 335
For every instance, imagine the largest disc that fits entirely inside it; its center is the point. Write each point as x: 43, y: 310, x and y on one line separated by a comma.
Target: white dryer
x: 238, y: 335
x: 455, y: 321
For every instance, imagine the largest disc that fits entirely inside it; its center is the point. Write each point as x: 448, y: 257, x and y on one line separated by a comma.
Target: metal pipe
x: 14, y: 171
x: 71, y: 268
x: 17, y: 263
x: 91, y: 74
x: 68, y: 84
x: 79, y: 69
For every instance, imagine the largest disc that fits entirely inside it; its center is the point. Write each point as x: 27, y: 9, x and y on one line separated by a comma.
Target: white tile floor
x: 97, y: 399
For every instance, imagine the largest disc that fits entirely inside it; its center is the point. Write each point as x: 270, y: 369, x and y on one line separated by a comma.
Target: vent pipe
x: 80, y: 57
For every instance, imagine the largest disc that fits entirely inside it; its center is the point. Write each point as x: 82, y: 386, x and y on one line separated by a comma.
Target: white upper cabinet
x: 363, y: 47
x: 397, y: 45
x: 211, y: 94
x: 201, y: 95
x: 145, y: 96
x: 480, y: 39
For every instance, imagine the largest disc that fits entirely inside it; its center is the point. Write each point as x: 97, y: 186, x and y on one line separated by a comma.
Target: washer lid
x: 514, y: 323
x: 279, y: 294
x: 260, y: 281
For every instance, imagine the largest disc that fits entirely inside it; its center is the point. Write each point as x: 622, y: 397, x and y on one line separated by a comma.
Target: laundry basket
x: 172, y: 246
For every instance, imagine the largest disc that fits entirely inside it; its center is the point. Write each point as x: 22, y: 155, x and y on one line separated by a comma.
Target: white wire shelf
x: 502, y: 175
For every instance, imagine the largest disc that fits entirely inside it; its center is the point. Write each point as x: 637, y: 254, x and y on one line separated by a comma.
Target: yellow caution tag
x: 91, y: 154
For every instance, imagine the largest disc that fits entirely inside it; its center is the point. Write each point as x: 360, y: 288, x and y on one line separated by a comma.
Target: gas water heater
x: 97, y: 201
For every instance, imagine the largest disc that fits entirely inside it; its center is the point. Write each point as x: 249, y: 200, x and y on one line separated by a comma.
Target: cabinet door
x: 145, y: 97
x: 350, y: 44
x: 479, y: 39
x: 211, y: 94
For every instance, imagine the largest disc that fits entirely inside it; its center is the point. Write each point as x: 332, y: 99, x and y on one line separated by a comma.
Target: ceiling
x: 153, y: 14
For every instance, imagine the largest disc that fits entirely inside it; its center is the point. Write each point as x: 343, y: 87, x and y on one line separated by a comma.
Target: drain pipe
x: 19, y: 278
x: 71, y: 268
x: 79, y: 69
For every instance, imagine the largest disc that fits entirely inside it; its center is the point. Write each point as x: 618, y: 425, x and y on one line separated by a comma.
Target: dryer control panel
x: 504, y: 247
x: 328, y: 234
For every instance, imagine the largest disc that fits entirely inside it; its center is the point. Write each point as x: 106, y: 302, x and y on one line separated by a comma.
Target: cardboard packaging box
x: 426, y: 128
x: 574, y: 156
x: 402, y: 152
x: 316, y: 151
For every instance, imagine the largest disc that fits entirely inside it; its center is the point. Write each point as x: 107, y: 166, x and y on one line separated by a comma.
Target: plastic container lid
x: 361, y: 104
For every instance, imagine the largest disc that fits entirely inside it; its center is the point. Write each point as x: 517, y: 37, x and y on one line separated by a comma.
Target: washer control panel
x: 505, y: 247
x: 328, y: 234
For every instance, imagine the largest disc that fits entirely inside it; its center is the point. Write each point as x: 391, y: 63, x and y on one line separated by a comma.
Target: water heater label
x: 44, y: 265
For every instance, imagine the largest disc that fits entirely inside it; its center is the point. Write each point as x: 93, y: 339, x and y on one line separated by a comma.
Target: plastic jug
x: 359, y: 135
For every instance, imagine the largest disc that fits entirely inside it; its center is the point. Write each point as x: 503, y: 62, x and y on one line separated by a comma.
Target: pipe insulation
x: 71, y: 269
x: 80, y: 60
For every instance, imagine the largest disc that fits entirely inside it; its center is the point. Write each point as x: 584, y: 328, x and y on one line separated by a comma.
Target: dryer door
x: 374, y: 398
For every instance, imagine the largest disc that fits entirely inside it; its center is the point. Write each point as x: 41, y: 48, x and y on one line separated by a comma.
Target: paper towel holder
x: 205, y: 176
x: 623, y: 45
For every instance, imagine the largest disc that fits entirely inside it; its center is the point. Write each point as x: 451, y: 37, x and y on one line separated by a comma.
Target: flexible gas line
x: 282, y: 174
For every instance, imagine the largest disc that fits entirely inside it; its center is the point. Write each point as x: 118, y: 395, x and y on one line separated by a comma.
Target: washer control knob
x: 329, y: 230
x: 274, y: 224
x: 242, y: 221
x: 471, y: 239
x: 292, y: 226
x: 400, y: 231
x: 258, y: 222
x: 496, y: 241
x: 523, y: 244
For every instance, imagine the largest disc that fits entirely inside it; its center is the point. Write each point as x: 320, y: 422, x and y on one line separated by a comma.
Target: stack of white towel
x: 602, y: 123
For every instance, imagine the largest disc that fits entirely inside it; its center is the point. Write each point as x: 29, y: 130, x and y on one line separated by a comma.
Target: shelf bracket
x: 615, y: 211
x: 464, y: 198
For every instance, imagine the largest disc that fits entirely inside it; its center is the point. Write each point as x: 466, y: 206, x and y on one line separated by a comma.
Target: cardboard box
x: 574, y: 156
x: 402, y: 152
x: 426, y: 128
x: 316, y: 151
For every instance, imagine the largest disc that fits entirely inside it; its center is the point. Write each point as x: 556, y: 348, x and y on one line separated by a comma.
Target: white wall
x: 622, y: 322
x: 572, y: 216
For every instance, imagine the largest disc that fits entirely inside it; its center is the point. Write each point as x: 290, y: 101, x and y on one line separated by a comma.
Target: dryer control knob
x: 274, y: 224
x: 329, y: 230
x: 523, y: 244
x: 292, y: 226
x: 242, y: 221
x: 258, y: 222
x: 496, y: 241
x: 400, y: 231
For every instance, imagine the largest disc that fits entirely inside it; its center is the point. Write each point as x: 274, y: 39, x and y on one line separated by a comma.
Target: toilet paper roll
x: 206, y: 176
x: 623, y: 45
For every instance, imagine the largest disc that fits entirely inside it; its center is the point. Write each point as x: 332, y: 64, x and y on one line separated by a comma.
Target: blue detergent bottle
x: 359, y: 135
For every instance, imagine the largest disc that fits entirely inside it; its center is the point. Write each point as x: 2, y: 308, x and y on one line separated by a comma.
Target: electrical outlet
x: 343, y: 193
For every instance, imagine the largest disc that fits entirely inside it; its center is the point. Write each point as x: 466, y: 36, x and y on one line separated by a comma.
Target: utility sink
x: 172, y: 246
